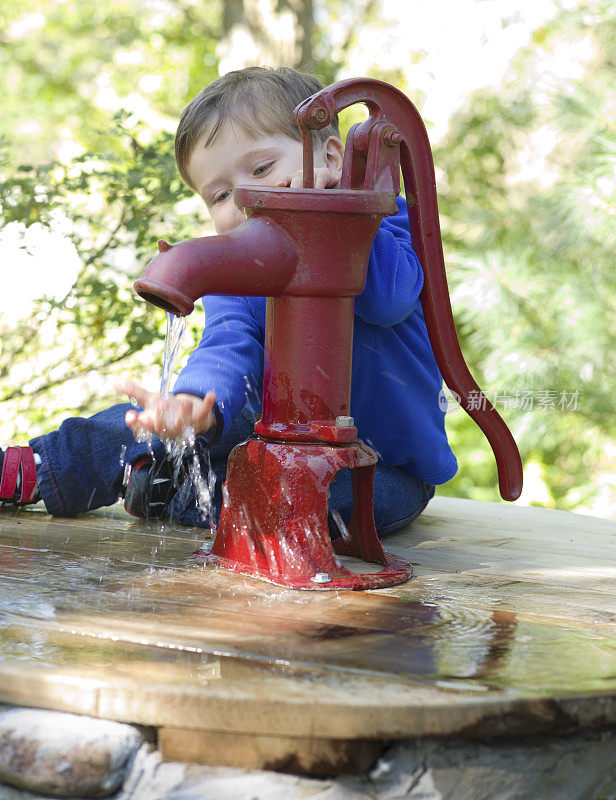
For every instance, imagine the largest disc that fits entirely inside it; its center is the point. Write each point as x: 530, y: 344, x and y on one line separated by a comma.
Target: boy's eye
x: 263, y: 168
x: 222, y: 196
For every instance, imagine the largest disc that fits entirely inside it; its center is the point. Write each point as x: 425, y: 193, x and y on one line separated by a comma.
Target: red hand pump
x: 273, y: 523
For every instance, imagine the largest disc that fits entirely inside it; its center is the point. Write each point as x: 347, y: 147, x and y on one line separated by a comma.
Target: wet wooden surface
x: 508, y: 626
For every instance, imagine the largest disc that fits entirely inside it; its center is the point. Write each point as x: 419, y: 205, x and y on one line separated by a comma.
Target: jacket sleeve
x: 229, y: 357
x: 395, y: 277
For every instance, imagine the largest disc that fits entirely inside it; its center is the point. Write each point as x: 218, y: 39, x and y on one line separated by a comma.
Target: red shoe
x: 18, y: 476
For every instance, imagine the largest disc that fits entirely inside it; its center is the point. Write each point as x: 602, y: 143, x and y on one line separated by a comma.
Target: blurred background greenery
x: 520, y: 106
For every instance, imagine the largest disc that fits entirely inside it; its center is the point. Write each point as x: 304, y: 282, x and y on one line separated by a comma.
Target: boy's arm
x: 395, y: 277
x: 229, y: 358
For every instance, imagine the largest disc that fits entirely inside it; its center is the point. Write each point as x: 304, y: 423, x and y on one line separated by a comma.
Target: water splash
x: 202, y: 475
x: 181, y: 452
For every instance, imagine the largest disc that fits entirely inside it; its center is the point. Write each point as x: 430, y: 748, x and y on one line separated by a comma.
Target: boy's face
x: 235, y: 159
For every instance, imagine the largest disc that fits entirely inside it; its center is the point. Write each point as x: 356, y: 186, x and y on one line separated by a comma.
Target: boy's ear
x: 333, y: 155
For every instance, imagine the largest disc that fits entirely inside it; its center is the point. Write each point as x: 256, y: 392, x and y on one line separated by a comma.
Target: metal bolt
x: 345, y: 422
x: 392, y: 137
x: 321, y: 577
x: 318, y: 114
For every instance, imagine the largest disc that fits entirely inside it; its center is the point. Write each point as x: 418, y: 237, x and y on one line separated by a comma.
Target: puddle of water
x: 443, y: 635
x: 59, y: 608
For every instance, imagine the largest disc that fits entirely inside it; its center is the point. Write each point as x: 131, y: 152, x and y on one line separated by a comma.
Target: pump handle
x: 389, y: 105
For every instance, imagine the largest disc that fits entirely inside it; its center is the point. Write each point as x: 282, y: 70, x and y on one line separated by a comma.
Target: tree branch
x: 52, y: 384
x: 98, y: 253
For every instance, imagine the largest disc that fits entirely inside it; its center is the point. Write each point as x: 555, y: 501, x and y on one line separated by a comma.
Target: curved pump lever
x: 388, y: 105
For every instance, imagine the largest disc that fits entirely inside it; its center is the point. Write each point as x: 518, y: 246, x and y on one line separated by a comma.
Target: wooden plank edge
x: 412, y: 712
x: 315, y: 756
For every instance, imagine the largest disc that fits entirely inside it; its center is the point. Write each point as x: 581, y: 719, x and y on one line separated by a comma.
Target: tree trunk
x: 232, y: 14
x: 252, y: 34
x: 305, y: 25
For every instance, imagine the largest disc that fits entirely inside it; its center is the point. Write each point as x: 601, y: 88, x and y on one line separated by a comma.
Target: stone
x: 151, y: 778
x: 65, y: 755
x: 576, y: 767
x: 580, y: 767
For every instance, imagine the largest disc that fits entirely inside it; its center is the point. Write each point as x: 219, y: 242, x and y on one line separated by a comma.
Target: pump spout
x: 258, y: 258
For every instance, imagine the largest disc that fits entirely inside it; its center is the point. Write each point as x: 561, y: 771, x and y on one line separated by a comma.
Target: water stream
x: 173, y: 339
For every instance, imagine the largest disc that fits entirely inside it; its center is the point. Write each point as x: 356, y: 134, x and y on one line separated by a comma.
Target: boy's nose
x: 239, y: 215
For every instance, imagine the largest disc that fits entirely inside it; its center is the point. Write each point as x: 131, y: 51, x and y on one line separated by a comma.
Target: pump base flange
x: 273, y: 523
x: 397, y: 571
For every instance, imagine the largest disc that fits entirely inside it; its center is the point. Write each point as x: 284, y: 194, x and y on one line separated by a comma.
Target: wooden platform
x: 508, y: 626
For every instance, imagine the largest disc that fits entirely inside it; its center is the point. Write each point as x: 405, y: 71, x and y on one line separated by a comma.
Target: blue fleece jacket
x: 395, y: 382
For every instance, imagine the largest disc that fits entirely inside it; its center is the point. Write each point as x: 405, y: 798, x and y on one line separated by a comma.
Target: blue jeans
x: 82, y: 468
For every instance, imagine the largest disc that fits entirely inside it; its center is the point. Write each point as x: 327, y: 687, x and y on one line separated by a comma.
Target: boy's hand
x: 324, y: 178
x: 168, y: 417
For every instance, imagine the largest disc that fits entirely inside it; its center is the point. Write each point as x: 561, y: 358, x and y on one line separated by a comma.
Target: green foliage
x: 531, y: 250
x: 115, y: 200
x: 72, y: 60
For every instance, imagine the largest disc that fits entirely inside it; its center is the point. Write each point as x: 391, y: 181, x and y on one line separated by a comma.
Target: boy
x: 239, y: 131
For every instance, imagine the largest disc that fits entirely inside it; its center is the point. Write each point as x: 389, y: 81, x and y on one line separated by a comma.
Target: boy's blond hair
x: 258, y: 99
